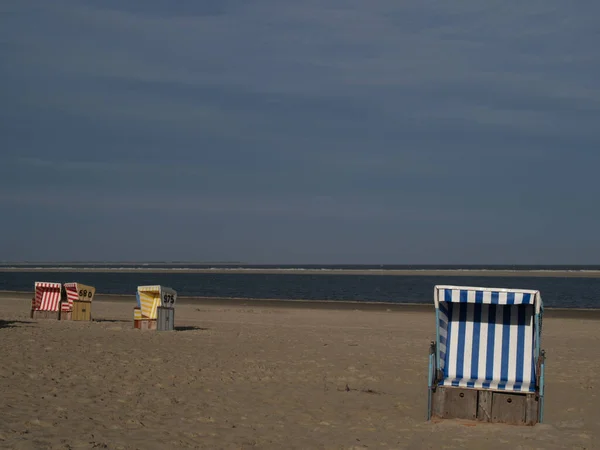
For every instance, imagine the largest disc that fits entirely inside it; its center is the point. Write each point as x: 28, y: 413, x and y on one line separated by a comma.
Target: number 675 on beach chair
x: 486, y: 363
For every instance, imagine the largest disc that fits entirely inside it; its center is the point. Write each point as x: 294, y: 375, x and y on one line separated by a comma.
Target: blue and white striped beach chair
x: 486, y: 363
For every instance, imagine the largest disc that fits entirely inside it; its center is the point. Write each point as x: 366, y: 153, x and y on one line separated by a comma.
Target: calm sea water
x: 188, y: 265
x: 556, y: 292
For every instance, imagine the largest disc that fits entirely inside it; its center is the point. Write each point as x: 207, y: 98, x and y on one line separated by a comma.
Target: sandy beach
x: 273, y: 375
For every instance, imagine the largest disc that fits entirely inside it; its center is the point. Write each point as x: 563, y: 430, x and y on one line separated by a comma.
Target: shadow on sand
x: 110, y: 320
x: 13, y: 323
x: 190, y: 328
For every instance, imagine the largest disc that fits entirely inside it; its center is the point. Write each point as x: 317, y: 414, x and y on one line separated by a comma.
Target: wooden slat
x: 51, y: 315
x: 165, y: 319
x: 484, y: 406
x: 532, y: 409
x: 82, y: 310
x: 438, y: 398
x: 508, y: 408
x: 460, y: 404
x: 147, y: 324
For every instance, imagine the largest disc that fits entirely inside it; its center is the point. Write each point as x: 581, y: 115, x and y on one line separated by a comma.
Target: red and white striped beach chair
x: 46, y: 302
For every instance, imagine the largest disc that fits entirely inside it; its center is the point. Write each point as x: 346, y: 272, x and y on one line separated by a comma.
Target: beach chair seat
x: 487, y: 340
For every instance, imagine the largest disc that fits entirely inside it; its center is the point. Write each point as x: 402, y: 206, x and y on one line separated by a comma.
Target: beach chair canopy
x: 149, y: 298
x: 488, y: 338
x: 47, y: 296
x: 77, y: 292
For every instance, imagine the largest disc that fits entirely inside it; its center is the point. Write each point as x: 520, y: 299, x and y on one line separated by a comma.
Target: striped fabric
x: 72, y: 295
x: 47, y: 296
x: 459, y: 294
x: 486, y: 338
x: 149, y: 300
x: 443, y: 334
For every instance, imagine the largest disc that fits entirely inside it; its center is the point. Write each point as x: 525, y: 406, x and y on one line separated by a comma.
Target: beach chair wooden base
x: 82, y: 311
x: 145, y: 324
x: 485, y: 406
x: 52, y: 315
x: 66, y: 315
x: 166, y: 319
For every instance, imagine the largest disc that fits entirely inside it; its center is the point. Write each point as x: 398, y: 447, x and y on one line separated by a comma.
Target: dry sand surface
x: 239, y: 376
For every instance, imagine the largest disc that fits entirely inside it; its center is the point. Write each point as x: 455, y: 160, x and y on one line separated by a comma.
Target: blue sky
x: 274, y: 131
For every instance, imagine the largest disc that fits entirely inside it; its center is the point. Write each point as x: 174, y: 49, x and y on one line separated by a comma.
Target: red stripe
x: 72, y: 295
x: 50, y: 300
x: 47, y: 296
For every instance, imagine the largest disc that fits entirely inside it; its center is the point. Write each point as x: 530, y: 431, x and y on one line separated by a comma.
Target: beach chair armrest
x: 539, y: 373
x: 431, y: 377
x: 432, y: 348
x: 434, y: 372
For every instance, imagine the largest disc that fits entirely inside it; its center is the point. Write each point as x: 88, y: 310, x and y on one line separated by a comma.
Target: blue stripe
x: 479, y: 297
x: 443, y: 340
x: 505, y: 343
x: 462, y: 326
x: 476, y: 331
x: 448, y: 349
x: 521, y: 343
x: 489, y: 364
x: 447, y: 295
x: 527, y: 299
x: 510, y: 298
x: 471, y: 383
x: 464, y: 296
x: 535, y: 337
x: 495, y: 298
x: 443, y: 317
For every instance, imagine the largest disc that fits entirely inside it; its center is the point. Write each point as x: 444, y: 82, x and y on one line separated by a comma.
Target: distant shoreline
x: 299, y: 271
x: 332, y: 305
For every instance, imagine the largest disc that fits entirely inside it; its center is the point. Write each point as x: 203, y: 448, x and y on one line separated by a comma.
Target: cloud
x: 380, y: 113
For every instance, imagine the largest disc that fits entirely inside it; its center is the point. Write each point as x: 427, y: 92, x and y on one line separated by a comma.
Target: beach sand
x: 259, y: 375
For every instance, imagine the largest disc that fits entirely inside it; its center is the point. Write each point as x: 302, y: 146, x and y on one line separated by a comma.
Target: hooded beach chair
x: 46, y: 301
x: 486, y: 363
x: 155, y: 308
x: 78, y: 304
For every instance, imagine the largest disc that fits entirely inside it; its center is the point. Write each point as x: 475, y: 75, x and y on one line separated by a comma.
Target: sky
x: 276, y: 131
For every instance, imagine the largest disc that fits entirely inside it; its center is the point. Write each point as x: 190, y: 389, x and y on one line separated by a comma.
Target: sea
x: 292, y: 283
